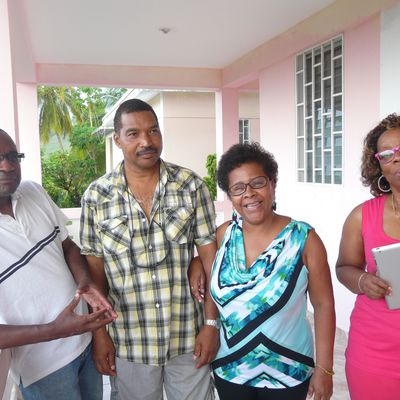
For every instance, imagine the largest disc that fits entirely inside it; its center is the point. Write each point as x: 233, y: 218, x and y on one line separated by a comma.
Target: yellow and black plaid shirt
x: 146, y: 262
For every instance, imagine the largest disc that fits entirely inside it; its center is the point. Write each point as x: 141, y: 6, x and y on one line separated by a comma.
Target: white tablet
x: 387, y: 259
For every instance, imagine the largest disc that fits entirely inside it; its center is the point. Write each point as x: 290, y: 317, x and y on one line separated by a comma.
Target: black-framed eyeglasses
x: 12, y: 157
x: 386, y: 156
x: 256, y: 183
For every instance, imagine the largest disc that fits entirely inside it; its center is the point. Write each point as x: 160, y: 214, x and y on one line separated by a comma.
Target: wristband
x: 326, y: 371
x: 359, y: 282
x: 216, y: 323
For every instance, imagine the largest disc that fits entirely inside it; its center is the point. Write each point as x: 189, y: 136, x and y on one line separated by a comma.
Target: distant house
x: 188, y: 126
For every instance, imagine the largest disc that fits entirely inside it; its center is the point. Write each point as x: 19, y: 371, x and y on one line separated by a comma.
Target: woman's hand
x: 321, y: 385
x: 197, y: 279
x: 373, y: 286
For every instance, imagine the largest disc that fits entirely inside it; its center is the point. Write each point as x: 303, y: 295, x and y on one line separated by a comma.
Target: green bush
x: 210, y: 179
x: 67, y: 174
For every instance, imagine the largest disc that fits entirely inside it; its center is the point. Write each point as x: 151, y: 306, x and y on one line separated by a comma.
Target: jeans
x: 78, y: 380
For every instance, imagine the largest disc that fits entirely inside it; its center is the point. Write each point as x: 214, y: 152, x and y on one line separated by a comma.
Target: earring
x: 274, y: 205
x: 234, y: 215
x: 388, y: 189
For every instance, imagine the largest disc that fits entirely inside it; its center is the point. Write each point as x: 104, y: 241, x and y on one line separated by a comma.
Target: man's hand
x: 68, y: 323
x: 94, y: 298
x: 104, y: 353
x: 207, y: 344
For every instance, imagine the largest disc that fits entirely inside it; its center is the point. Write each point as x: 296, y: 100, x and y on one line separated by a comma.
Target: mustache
x: 147, y: 150
x: 8, y: 175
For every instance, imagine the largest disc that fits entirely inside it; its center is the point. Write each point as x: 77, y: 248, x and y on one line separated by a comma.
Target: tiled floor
x: 340, y: 391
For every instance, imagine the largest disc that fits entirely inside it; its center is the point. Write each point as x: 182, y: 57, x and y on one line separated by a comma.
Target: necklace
x: 395, y: 208
x: 155, y: 248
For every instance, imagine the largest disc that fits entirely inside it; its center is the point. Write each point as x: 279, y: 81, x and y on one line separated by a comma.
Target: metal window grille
x: 319, y: 110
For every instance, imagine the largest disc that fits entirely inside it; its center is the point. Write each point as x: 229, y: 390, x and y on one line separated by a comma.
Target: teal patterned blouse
x: 266, y: 340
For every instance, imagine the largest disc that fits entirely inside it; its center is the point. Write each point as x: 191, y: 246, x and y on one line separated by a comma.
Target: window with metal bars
x: 319, y: 109
x: 244, y: 131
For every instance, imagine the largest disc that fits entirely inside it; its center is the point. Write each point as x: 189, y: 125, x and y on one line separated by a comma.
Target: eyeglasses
x: 256, y: 183
x: 13, y: 157
x: 386, y: 156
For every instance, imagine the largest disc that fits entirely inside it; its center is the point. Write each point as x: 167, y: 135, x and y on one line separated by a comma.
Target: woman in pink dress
x: 373, y: 351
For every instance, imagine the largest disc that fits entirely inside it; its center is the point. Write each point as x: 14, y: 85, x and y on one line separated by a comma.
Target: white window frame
x: 244, y: 131
x: 319, y: 113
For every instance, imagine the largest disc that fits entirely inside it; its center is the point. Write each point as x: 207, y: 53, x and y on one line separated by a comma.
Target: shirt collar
x: 119, y: 181
x: 17, y: 194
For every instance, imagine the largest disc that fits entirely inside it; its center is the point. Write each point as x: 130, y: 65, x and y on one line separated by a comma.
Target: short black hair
x: 130, y: 106
x: 239, y: 154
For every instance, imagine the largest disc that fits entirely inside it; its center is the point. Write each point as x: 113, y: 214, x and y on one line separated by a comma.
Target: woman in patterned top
x: 265, y: 265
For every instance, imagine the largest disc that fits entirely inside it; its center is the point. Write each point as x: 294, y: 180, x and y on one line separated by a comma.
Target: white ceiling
x: 203, y: 33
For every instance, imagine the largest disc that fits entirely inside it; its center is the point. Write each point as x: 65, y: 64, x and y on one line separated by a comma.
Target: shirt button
x: 143, y: 220
x: 153, y: 276
x: 150, y: 246
x: 157, y: 305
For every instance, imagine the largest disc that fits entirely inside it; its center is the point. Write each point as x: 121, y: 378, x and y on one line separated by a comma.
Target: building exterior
x: 369, y: 87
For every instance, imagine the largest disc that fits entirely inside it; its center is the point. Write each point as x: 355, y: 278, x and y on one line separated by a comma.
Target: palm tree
x: 96, y: 101
x: 60, y: 108
x: 57, y: 107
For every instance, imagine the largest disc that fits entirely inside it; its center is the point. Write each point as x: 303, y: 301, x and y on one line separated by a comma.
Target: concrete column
x: 8, y: 113
x: 227, y: 133
x: 28, y: 123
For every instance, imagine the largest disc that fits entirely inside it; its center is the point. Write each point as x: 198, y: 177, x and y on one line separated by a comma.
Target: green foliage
x: 74, y: 113
x: 67, y: 174
x: 85, y: 144
x: 57, y: 108
x: 60, y: 108
x: 210, y: 179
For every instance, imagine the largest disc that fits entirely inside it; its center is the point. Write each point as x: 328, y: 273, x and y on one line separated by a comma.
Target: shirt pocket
x: 178, y: 224
x: 115, y: 235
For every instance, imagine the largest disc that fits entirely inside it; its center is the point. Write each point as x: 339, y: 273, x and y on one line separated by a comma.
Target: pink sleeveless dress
x: 374, y: 338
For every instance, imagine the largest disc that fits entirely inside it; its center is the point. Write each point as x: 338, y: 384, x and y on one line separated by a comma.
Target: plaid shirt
x: 146, y: 261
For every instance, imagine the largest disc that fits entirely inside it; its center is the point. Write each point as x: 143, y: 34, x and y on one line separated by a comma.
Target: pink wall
x: 362, y: 90
x: 129, y: 76
x: 278, y: 113
x: 324, y: 206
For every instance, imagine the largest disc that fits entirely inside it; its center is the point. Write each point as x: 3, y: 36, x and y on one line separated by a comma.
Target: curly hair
x: 239, y: 154
x: 370, y: 168
x: 129, y: 106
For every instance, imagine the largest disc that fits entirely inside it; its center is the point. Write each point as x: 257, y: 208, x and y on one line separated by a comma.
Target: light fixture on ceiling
x: 165, y: 30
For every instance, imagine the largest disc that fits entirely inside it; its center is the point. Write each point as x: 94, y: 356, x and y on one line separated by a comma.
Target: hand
x: 197, y: 279
x: 94, y: 298
x: 207, y: 345
x: 104, y: 353
x: 373, y: 286
x: 68, y: 323
x: 321, y: 386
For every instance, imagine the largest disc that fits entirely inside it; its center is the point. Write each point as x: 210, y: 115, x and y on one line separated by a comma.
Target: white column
x: 227, y: 134
x: 29, y: 138
x: 390, y: 61
x: 8, y: 115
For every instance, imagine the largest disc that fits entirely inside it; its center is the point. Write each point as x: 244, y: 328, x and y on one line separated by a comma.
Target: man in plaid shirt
x: 139, y: 225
